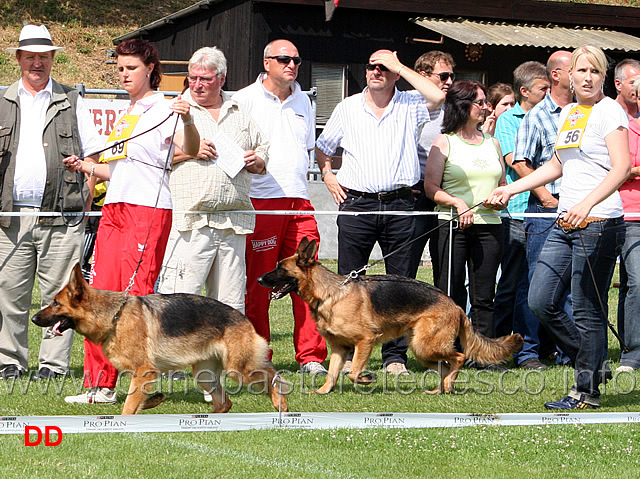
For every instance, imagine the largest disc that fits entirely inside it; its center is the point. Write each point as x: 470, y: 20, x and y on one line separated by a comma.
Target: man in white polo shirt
x: 41, y: 123
x: 283, y: 112
x: 378, y: 131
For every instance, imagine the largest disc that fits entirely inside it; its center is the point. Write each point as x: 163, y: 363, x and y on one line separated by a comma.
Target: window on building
x: 330, y: 80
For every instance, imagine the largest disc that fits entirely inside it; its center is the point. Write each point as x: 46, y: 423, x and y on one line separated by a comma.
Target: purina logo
x: 264, y: 244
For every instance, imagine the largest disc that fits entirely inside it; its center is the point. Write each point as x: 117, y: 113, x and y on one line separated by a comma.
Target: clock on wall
x: 473, y: 52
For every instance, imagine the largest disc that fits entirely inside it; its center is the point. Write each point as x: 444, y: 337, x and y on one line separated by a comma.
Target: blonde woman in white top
x: 592, y: 156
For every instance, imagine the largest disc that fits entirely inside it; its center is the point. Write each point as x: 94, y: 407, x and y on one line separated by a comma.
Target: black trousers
x: 357, y: 235
x: 480, y: 248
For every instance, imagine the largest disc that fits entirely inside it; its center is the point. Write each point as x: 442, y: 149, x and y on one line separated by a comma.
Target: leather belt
x: 403, y: 192
x: 568, y: 227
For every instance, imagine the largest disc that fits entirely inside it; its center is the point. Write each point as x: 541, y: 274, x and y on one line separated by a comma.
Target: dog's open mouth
x: 282, y: 290
x: 61, y: 326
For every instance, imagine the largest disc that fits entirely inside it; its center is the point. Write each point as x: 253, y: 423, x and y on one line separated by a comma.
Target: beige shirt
x: 200, y: 185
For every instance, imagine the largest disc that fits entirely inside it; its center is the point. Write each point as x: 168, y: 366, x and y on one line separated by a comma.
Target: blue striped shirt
x: 537, y: 135
x: 506, y: 130
x: 380, y: 154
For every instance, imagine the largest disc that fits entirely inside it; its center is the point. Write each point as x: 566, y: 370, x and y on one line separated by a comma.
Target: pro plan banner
x: 296, y: 420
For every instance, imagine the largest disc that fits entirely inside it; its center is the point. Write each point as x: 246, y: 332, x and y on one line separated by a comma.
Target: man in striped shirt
x: 378, y: 131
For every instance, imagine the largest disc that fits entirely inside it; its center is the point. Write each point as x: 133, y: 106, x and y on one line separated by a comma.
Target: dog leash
x: 155, y: 207
x: 81, y: 176
x: 623, y: 345
x: 355, y: 273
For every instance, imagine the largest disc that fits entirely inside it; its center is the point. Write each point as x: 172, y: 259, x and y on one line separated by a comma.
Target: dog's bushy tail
x: 486, y: 350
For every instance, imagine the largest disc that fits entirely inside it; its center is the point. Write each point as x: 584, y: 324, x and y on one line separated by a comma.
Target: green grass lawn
x: 482, y: 451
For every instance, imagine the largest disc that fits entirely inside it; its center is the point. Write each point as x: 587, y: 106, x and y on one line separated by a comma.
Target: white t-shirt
x: 31, y: 165
x: 584, y: 168
x: 290, y: 128
x: 137, y: 178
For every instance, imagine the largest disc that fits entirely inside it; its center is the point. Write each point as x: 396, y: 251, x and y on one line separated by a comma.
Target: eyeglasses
x: 481, y: 103
x: 286, y: 59
x: 372, y: 67
x: 203, y: 80
x: 444, y: 76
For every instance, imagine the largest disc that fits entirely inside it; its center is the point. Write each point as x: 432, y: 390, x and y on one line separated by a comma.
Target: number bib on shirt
x: 570, y: 134
x: 117, y: 141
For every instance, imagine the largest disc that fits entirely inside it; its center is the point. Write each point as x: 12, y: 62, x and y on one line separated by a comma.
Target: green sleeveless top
x: 471, y: 172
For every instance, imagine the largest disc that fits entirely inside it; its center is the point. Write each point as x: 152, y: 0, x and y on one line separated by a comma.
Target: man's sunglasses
x: 372, y: 67
x: 444, y: 76
x: 285, y: 59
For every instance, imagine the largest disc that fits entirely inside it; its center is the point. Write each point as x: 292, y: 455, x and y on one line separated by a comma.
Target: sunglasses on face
x: 285, y: 59
x: 444, y: 76
x: 481, y: 103
x: 372, y: 67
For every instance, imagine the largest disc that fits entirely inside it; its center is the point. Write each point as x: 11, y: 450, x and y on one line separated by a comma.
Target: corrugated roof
x: 510, y: 34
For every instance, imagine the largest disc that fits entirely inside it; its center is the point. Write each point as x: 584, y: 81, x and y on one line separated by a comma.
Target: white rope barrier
x: 307, y: 212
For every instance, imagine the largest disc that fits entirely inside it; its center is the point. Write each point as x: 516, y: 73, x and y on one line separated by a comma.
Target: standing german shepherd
x: 157, y: 333
x: 374, y: 309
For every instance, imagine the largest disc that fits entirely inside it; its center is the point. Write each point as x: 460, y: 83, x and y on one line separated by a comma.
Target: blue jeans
x: 511, y: 309
x: 357, y: 235
x: 563, y: 265
x: 629, y: 296
x: 537, y: 230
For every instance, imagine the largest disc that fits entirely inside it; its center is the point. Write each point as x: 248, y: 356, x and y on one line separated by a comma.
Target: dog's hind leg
x: 208, y: 375
x: 139, y: 396
x: 336, y: 362
x: 361, y: 354
x: 278, y: 388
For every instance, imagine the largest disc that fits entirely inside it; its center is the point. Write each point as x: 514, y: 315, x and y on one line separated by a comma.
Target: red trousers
x: 122, y: 235
x: 275, y: 238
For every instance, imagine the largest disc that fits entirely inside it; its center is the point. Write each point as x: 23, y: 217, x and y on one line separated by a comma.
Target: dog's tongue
x: 56, y: 329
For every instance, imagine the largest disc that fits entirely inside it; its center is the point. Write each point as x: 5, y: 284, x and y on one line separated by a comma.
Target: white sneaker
x: 625, y: 369
x: 94, y: 396
x: 397, y: 369
x: 313, y: 368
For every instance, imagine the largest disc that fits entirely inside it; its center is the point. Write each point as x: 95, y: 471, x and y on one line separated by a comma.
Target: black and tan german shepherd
x: 164, y: 332
x: 377, y: 308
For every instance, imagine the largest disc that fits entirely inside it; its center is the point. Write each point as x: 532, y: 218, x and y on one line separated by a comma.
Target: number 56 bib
x: 117, y: 141
x: 572, y: 130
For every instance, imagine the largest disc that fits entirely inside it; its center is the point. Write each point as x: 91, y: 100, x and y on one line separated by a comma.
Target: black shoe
x: 45, y: 373
x: 12, y: 371
x: 533, y: 363
x: 568, y: 402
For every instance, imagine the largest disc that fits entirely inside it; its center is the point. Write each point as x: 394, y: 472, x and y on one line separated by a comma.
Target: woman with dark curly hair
x: 463, y: 167
x: 136, y: 216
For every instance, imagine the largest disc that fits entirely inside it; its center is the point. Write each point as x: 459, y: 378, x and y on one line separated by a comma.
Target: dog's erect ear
x: 304, y: 242
x: 77, y: 283
x: 307, y: 254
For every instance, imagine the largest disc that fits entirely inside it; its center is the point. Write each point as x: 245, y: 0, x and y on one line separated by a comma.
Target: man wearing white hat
x: 41, y: 123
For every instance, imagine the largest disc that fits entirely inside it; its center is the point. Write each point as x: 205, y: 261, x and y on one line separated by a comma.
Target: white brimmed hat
x: 35, y: 39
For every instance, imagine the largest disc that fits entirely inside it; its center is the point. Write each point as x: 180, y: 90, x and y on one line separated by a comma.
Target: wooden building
x: 487, y: 39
